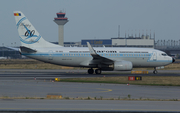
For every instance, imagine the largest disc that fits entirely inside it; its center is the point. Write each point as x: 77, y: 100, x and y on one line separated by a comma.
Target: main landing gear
x: 155, y: 71
x: 91, y: 71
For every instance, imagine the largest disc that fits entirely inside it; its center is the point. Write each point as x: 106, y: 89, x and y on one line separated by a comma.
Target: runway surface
x: 23, y: 73
x: 39, y: 88
x: 90, y: 105
x: 21, y: 83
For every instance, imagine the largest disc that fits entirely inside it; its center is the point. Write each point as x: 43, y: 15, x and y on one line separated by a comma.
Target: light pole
x: 3, y: 49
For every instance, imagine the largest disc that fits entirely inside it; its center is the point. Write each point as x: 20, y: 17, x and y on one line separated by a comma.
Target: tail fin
x: 28, y: 35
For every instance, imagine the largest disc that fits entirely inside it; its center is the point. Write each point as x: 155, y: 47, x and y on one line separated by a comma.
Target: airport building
x: 143, y: 41
x: 72, y: 44
x: 7, y: 53
x: 97, y: 42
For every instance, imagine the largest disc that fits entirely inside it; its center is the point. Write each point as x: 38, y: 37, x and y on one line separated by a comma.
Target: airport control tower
x: 61, y: 20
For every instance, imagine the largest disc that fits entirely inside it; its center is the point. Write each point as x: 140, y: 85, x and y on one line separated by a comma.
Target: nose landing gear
x: 155, y: 71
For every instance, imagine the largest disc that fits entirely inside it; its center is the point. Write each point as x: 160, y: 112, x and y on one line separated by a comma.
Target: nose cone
x: 173, y: 60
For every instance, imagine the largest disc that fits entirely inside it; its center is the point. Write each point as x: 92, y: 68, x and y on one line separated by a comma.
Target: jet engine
x: 123, y: 66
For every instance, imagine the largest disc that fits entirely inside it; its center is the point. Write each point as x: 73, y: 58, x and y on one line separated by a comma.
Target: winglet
x: 92, y: 51
x: 98, y: 57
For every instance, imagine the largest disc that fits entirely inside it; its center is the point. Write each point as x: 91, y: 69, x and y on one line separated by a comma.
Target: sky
x: 92, y: 19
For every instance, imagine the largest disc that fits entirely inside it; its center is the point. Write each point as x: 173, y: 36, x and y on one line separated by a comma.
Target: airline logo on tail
x: 27, y: 33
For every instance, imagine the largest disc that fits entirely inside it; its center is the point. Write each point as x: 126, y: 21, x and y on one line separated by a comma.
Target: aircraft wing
x: 97, y: 58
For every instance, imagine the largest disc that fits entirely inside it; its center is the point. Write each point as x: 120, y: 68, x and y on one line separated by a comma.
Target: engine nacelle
x: 123, y: 66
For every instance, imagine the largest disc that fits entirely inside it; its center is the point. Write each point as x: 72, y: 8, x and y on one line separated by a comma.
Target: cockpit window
x: 164, y: 54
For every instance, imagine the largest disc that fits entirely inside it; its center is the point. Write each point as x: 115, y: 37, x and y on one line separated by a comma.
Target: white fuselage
x: 80, y: 56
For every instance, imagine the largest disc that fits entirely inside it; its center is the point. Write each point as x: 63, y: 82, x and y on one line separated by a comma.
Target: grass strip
x: 146, y: 80
x: 90, y: 98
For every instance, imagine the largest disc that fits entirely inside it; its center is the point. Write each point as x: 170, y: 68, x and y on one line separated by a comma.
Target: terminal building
x: 97, y: 42
x: 143, y: 41
x: 7, y: 53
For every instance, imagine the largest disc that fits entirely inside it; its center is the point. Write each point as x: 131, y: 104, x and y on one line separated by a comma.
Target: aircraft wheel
x: 155, y: 71
x: 90, y: 71
x: 98, y: 71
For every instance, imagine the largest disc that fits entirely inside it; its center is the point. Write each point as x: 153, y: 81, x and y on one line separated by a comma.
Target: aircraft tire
x: 90, y: 71
x: 98, y: 71
x: 155, y: 71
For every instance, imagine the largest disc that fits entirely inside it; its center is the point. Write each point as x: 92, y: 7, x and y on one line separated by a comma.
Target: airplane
x: 100, y: 58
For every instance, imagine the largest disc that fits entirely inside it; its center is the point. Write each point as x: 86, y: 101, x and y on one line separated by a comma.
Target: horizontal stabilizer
x: 27, y: 50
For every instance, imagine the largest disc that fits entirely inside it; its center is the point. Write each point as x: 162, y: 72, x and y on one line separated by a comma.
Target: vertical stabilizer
x: 28, y: 35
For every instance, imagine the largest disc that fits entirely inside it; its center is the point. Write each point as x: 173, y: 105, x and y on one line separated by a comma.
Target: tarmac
x: 97, y: 106
x: 38, y: 83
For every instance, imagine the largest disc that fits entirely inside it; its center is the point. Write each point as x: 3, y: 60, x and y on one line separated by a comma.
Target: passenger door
x: 154, y: 55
